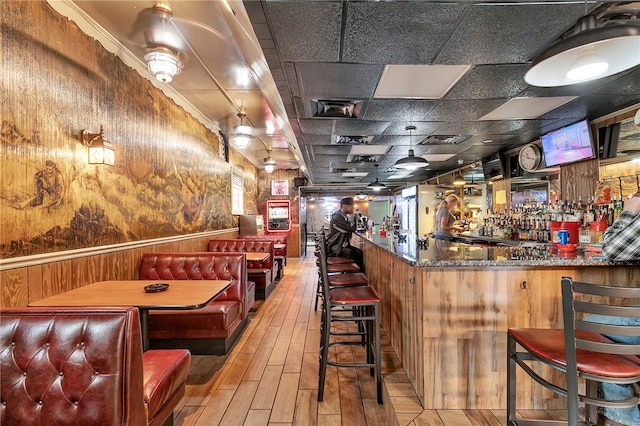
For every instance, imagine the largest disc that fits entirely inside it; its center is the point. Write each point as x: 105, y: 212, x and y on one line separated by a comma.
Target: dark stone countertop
x: 482, y: 252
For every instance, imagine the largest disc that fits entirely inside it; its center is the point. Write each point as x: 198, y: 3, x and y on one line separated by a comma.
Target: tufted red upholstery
x: 84, y: 367
x: 221, y: 321
x: 280, y: 253
x: 262, y: 273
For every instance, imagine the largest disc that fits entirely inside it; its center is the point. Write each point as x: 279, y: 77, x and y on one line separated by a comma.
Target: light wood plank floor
x: 271, y: 375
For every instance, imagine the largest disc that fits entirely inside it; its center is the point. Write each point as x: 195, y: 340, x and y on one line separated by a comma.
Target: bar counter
x: 446, y: 308
x: 468, y: 251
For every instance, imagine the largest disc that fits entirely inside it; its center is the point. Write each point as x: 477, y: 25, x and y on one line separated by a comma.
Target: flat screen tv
x: 568, y: 145
x: 492, y: 167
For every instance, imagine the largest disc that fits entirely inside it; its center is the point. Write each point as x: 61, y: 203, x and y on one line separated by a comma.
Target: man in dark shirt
x: 340, y: 230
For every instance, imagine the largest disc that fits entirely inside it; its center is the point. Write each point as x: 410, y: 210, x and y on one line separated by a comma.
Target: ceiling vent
x: 352, y: 140
x: 363, y: 159
x: 335, y: 109
x: 443, y: 139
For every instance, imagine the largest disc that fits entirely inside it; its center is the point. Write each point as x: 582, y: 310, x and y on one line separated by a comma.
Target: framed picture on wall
x: 280, y: 187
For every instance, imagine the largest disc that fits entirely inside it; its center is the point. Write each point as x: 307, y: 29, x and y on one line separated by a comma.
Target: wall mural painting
x: 168, y: 178
x: 48, y: 204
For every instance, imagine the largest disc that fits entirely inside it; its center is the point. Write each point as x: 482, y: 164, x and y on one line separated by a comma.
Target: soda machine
x: 278, y: 215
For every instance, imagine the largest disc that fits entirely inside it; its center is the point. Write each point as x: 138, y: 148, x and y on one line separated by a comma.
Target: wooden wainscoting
x: 23, y: 285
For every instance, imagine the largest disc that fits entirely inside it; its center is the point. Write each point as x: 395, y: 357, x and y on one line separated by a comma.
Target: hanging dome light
x: 589, y: 54
x: 411, y: 162
x: 376, y: 185
x: 459, y: 180
x: 242, y: 133
x: 361, y: 196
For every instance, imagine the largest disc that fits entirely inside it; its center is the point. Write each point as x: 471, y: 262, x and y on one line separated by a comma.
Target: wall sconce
x: 100, y: 150
x: 242, y: 133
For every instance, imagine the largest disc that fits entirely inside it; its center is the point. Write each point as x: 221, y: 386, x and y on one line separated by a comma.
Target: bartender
x: 340, y: 229
x: 445, y: 219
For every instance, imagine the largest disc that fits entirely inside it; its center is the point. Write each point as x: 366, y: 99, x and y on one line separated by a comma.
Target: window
x: 237, y: 193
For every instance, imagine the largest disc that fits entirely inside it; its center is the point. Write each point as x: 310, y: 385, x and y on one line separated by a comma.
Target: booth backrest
x: 198, y: 266
x: 276, y: 238
x: 71, y: 366
x: 245, y: 246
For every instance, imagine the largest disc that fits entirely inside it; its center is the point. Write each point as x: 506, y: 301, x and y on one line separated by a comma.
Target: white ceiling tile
x: 369, y: 150
x: 418, y: 81
x: 527, y: 108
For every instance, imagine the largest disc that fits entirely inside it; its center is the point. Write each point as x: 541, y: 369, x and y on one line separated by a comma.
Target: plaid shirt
x: 621, y: 240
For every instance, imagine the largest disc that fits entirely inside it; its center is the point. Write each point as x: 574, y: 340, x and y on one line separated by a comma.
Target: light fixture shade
x: 269, y: 164
x: 376, y: 186
x: 589, y: 54
x: 163, y: 64
x: 361, y: 196
x: 102, y: 152
x: 411, y: 162
x: 242, y: 135
x: 459, y: 180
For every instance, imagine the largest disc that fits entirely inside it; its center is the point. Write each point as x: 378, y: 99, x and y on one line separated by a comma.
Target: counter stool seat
x: 338, y: 260
x: 355, y: 279
x: 548, y: 345
x: 343, y: 268
x: 353, y: 296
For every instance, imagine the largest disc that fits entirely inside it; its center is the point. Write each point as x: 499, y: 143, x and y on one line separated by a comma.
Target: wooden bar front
x: 448, y: 324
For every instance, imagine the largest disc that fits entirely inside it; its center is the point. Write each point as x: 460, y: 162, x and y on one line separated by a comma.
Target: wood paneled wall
x: 448, y: 325
x: 22, y: 286
x: 501, y: 185
x: 579, y: 180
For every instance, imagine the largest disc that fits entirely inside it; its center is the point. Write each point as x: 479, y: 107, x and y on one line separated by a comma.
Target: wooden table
x: 257, y: 256
x: 182, y: 294
x: 279, y: 246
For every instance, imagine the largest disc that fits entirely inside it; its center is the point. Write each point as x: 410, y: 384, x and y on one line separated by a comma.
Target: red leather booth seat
x: 262, y: 273
x: 85, y: 366
x: 281, y: 253
x: 213, y: 329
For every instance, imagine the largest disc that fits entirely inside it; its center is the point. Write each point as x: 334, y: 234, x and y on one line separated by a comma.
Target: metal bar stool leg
x: 376, y: 309
x: 511, y: 380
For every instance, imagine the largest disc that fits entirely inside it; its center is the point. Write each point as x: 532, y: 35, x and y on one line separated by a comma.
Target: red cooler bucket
x: 574, y: 231
x: 554, y: 227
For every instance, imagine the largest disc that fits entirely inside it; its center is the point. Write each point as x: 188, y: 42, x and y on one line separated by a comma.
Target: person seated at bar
x: 621, y: 242
x: 341, y: 227
x: 445, y: 219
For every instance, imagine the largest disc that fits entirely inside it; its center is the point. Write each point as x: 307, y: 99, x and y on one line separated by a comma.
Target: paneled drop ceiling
x: 453, y: 69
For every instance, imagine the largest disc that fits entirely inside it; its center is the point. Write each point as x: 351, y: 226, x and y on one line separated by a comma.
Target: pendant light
x: 163, y: 58
x: 375, y: 185
x: 590, y: 53
x: 411, y: 162
x: 459, y: 180
x: 242, y: 133
x: 269, y: 163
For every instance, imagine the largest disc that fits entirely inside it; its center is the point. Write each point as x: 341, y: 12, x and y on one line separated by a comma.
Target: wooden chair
x: 581, y: 350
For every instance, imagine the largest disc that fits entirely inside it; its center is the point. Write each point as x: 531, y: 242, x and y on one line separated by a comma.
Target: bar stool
x: 342, y: 272
x: 349, y: 304
x: 581, y: 350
